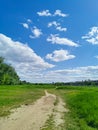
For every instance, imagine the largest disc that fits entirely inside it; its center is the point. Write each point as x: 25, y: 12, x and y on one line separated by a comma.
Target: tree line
x: 78, y: 83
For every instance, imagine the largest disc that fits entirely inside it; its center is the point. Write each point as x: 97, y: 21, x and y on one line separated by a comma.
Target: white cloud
x: 29, y: 20
x: 57, y: 26
x: 92, y: 36
x: 79, y: 70
x: 64, y: 75
x: 44, y: 13
x: 25, y: 25
x: 96, y: 57
x: 36, y: 32
x: 53, y: 23
x: 59, y: 13
x: 61, y: 29
x: 55, y: 39
x: 69, y: 75
x: 59, y: 55
x: 22, y: 57
x: 56, y: 13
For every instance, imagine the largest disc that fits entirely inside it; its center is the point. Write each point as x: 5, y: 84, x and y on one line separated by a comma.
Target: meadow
x: 82, y: 102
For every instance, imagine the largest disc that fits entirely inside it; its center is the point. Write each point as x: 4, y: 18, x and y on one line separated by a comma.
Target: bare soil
x: 33, y: 117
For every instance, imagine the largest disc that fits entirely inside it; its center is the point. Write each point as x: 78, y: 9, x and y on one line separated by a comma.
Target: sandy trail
x: 58, y: 114
x: 32, y: 117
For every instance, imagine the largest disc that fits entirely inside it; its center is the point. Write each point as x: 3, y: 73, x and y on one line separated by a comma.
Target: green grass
x: 14, y: 96
x: 49, y: 125
x: 85, y: 107
x: 82, y: 103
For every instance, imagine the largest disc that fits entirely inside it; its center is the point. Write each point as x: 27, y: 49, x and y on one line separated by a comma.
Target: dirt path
x: 33, y: 117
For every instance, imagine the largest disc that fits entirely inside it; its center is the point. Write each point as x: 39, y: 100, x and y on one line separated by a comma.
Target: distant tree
x: 8, y: 74
x: 1, y: 59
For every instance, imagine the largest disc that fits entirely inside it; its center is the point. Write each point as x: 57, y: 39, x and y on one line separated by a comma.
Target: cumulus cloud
x: 96, y: 57
x: 55, y: 39
x: 71, y: 75
x: 92, y: 35
x: 25, y: 25
x: 59, y: 55
x: 22, y: 57
x: 64, y: 75
x: 57, y: 26
x: 36, y: 32
x: 53, y: 23
x: 61, y: 29
x: 44, y: 13
x: 56, y: 13
x: 59, y: 13
x: 79, y: 70
x: 29, y: 20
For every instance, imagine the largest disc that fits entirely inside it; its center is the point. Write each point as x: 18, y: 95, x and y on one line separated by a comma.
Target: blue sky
x: 50, y: 41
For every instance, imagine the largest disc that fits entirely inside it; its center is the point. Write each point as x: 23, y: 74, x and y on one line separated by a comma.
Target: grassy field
x: 14, y: 96
x: 83, y: 105
x: 82, y: 102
